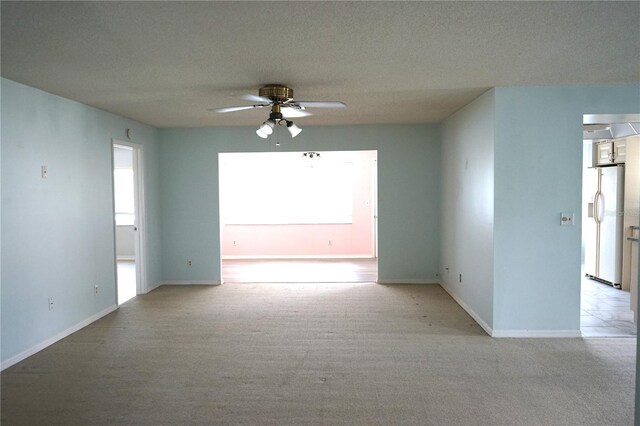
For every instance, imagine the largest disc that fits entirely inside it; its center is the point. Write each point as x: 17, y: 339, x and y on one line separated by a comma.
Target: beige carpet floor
x: 314, y: 354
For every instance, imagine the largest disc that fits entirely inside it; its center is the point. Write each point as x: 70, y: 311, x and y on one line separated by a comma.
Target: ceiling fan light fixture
x: 280, y: 99
x: 260, y: 133
x: 267, y: 127
x: 293, y: 129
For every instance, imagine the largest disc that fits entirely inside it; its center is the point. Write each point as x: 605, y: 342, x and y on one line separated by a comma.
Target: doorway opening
x: 298, y: 216
x: 127, y: 195
x: 610, y: 225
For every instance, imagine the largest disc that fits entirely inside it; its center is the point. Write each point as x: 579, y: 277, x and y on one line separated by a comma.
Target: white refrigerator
x: 604, y: 233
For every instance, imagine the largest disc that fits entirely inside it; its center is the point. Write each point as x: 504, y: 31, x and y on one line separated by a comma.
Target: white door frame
x: 374, y: 203
x: 140, y: 236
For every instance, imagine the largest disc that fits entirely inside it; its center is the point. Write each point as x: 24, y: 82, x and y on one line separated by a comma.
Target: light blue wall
x: 408, y: 182
x: 467, y: 205
x: 57, y: 233
x: 538, y: 159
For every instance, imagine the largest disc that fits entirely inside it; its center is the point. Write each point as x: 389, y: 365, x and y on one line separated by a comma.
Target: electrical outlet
x: 97, y: 290
x: 45, y: 172
x: 51, y: 303
x: 234, y: 243
x: 566, y: 219
x: 460, y: 278
x: 330, y: 242
x: 188, y: 263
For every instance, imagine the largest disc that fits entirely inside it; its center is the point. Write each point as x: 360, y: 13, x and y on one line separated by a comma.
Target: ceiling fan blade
x: 238, y: 108
x: 320, y: 104
x: 289, y: 112
x: 257, y: 99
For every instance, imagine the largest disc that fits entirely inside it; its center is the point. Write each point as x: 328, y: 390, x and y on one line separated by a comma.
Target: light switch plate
x: 566, y: 219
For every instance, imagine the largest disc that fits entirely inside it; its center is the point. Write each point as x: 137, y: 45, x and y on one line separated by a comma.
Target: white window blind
x: 302, y: 191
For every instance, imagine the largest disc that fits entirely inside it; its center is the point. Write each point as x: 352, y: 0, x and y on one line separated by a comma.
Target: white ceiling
x: 166, y: 63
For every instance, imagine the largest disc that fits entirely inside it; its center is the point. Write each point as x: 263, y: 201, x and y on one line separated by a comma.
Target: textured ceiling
x: 166, y: 63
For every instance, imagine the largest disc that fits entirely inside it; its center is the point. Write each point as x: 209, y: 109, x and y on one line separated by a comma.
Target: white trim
x: 409, y: 281
x: 536, y: 333
x: 140, y: 242
x: 126, y: 258
x: 151, y: 288
x: 511, y: 333
x: 140, y: 234
x: 50, y: 341
x: 298, y: 256
x: 212, y: 283
x: 374, y: 203
x: 470, y: 311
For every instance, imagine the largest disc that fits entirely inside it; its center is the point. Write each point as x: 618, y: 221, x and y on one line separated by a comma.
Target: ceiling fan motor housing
x: 276, y: 92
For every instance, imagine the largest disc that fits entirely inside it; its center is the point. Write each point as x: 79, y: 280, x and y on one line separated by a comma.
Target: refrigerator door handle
x: 596, y: 207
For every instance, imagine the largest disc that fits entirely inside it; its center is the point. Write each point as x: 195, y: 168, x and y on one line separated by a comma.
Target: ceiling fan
x: 280, y: 99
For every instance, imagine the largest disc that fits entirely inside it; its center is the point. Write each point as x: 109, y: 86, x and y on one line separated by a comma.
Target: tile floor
x: 605, y: 311
x: 126, y: 280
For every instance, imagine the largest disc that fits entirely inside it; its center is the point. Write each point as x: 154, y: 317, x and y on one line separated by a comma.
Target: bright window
x: 289, y: 191
x: 124, y: 201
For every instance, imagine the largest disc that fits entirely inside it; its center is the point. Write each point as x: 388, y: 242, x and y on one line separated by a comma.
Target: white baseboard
x: 298, y: 256
x: 151, y: 288
x: 511, y: 333
x: 50, y: 341
x: 208, y: 282
x: 536, y: 333
x: 470, y: 311
x: 409, y: 281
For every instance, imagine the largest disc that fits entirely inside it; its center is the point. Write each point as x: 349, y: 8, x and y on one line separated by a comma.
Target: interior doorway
x: 298, y: 216
x: 610, y: 220
x: 128, y: 189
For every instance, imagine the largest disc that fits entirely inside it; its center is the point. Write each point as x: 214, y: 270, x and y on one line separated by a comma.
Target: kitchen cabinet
x: 610, y: 152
